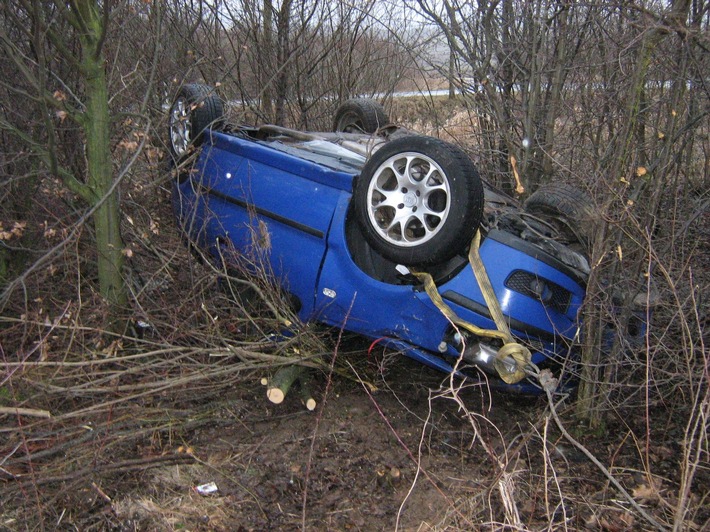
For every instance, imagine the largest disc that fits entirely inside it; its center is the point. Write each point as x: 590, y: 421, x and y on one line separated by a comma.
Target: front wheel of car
x: 418, y: 200
x: 195, y: 108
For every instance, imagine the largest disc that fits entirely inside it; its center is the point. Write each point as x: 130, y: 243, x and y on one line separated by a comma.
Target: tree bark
x: 96, y: 124
x: 595, y: 387
x: 280, y: 384
x: 283, y: 57
x: 268, y: 54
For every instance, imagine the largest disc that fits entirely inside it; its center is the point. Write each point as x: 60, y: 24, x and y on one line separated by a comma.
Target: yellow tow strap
x: 519, y: 353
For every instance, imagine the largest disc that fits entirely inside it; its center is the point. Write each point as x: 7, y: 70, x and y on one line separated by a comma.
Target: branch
x: 48, y: 158
x: 104, y: 31
x: 34, y: 11
x: 117, y: 467
x: 44, y: 259
x: 32, y: 412
x: 71, y: 15
x: 648, y: 517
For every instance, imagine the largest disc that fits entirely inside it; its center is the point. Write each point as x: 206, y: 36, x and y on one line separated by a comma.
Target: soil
x: 395, y: 457
x: 402, y: 456
x: 403, y: 449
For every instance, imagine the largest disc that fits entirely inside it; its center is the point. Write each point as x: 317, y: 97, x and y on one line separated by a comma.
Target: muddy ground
x: 402, y: 456
x: 362, y: 461
x: 405, y: 456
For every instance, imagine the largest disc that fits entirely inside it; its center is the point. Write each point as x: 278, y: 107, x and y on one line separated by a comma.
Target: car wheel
x: 360, y: 115
x: 418, y: 200
x: 568, y: 211
x: 195, y: 108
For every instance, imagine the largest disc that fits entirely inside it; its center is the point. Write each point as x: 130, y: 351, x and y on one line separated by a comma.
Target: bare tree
x: 608, y: 97
x: 46, y: 41
x: 289, y: 61
x: 633, y: 201
x: 519, y: 55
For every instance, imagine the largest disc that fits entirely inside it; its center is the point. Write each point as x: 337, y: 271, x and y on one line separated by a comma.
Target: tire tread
x: 371, y: 113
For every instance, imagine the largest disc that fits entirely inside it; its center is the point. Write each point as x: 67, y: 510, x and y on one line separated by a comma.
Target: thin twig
x: 115, y: 467
x: 648, y: 517
x: 31, y: 412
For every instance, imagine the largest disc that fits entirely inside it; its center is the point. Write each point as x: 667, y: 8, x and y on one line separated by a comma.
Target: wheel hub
x: 410, y: 200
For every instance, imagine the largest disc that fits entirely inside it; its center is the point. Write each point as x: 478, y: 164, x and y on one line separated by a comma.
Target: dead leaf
x: 49, y: 232
x: 646, y: 492
x: 617, y: 522
x: 154, y: 155
x: 130, y: 145
x: 18, y: 228
x: 661, y: 452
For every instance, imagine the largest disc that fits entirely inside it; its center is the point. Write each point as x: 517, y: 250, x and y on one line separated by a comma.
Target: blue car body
x: 246, y: 188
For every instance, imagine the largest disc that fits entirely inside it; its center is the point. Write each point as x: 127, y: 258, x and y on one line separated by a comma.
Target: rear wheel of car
x: 360, y: 115
x: 568, y: 211
x: 195, y: 108
x: 418, y: 200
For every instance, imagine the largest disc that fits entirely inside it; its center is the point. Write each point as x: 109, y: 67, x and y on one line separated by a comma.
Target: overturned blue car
x: 388, y: 234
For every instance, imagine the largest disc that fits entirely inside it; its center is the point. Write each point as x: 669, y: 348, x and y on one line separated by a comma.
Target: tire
x: 567, y: 210
x: 360, y: 115
x: 415, y: 221
x: 195, y: 108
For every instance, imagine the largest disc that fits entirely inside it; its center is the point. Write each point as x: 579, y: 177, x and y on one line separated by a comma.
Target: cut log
x: 281, y: 382
x: 304, y: 382
x: 310, y: 404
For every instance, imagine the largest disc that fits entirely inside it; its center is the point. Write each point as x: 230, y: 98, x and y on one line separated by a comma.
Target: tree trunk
x: 283, y: 55
x: 593, y: 393
x: 452, y: 75
x: 96, y: 125
x: 268, y: 54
